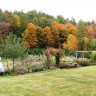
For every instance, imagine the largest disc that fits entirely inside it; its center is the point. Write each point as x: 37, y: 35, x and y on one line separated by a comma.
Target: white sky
x: 79, y: 9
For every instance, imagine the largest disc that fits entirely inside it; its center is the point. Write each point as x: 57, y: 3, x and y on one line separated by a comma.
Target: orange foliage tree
x: 91, y: 30
x: 59, y: 33
x: 71, y: 44
x: 63, y: 34
x: 29, y: 36
x: 49, y: 37
x: 55, y: 33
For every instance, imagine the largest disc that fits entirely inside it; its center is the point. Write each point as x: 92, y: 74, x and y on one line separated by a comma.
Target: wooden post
x: 76, y: 54
x: 83, y: 54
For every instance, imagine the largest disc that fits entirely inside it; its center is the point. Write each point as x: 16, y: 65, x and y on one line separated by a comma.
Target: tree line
x: 40, y: 30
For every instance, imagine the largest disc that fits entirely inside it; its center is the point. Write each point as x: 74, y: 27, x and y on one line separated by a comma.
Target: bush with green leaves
x: 36, y: 51
x: 91, y: 45
x: 93, y: 58
x: 93, y: 55
x: 57, y: 59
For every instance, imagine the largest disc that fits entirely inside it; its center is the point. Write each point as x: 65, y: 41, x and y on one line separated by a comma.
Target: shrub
x: 66, y: 62
x: 37, y: 66
x: 93, y: 55
x: 20, y: 70
x: 57, y: 59
x: 83, y: 61
x: 36, y: 51
x: 92, y: 62
x: 53, y: 62
x: 87, y: 55
x: 62, y: 65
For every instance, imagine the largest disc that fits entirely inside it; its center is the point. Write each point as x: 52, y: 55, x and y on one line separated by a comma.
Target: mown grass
x: 57, y: 82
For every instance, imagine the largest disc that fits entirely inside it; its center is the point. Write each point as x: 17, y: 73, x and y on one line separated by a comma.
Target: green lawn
x: 58, y: 82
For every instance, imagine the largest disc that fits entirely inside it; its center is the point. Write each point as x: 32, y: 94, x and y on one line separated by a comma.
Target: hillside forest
x: 40, y: 30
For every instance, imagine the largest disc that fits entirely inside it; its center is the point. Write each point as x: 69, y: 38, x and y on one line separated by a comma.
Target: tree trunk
x: 48, y: 62
x: 13, y: 65
x: 7, y: 64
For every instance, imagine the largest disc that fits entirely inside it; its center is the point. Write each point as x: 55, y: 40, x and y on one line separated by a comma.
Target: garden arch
x: 52, y: 52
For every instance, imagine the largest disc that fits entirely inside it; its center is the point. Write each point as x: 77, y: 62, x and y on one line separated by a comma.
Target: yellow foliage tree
x: 16, y: 21
x: 86, y: 41
x: 71, y: 29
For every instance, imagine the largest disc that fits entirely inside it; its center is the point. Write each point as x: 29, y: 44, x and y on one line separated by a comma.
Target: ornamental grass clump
x: 83, y: 61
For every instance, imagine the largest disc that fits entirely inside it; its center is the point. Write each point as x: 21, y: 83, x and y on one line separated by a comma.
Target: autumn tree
x: 15, y: 24
x: 49, y: 37
x: 59, y: 33
x: 85, y: 45
x: 63, y: 34
x: 91, y: 30
x: 55, y: 33
x: 4, y: 29
x: 29, y: 36
x: 71, y: 44
x: 21, y: 17
x: 16, y: 21
x: 71, y: 29
x: 41, y: 36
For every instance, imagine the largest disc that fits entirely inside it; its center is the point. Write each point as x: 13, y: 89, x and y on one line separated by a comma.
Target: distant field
x: 58, y: 82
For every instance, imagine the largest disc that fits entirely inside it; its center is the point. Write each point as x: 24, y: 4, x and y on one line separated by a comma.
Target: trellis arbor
x: 82, y: 53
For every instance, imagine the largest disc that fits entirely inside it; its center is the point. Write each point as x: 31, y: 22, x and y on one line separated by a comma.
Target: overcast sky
x: 79, y: 9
